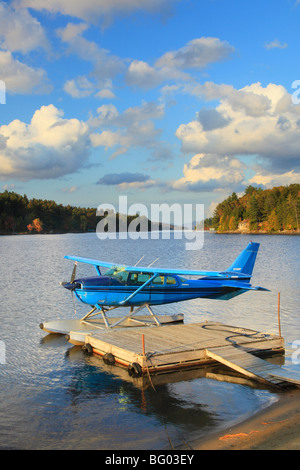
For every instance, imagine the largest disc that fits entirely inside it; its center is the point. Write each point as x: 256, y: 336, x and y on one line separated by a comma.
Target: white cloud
x: 141, y: 74
x: 20, y: 78
x: 270, y: 180
x: 207, y: 172
x: 133, y: 128
x: 69, y: 190
x: 48, y: 147
x: 251, y: 100
x: 276, y: 44
x: 72, y: 31
x: 105, y: 93
x: 260, y: 120
x: 141, y: 186
x: 71, y: 34
x: 107, y: 139
x: 108, y: 115
x: 79, y: 88
x: 128, y: 181
x: 105, y: 65
x: 106, y: 90
x: 19, y: 31
x: 255, y: 121
x: 196, y: 54
x: 93, y: 10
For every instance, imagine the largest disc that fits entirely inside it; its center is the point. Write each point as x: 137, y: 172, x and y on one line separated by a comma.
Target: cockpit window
x: 118, y: 273
x: 114, y: 270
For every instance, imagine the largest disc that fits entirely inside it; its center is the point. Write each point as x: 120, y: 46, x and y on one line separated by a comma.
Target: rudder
x: 244, y: 263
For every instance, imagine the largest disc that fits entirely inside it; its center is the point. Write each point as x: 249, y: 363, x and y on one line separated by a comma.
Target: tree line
x: 18, y: 214
x: 271, y: 211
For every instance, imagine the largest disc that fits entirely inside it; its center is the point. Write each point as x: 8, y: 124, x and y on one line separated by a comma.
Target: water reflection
x: 185, y: 401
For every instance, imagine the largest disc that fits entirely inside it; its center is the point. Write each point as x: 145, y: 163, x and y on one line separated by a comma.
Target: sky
x: 162, y: 101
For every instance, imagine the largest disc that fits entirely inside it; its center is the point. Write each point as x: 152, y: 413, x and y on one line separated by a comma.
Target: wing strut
x: 134, y: 312
x: 124, y: 302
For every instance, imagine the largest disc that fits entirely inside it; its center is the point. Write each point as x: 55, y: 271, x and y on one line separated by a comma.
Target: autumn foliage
x: 36, y: 226
x: 267, y: 211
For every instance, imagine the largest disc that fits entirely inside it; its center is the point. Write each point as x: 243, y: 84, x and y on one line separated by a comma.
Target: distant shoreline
x: 160, y: 230
x: 292, y: 232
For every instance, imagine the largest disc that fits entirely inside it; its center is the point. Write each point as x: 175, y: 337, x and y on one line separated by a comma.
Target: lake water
x: 52, y: 396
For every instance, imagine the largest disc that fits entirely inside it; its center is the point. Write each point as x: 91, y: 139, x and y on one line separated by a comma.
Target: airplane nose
x: 71, y: 285
x: 68, y: 285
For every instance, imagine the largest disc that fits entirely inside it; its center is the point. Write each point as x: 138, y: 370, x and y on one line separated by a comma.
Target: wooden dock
x: 154, y: 350
x: 80, y: 328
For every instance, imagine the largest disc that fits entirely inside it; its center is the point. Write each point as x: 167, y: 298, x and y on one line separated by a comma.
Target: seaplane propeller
x: 73, y: 273
x: 72, y: 285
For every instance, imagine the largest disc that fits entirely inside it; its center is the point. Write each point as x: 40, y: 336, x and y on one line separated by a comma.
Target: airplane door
x: 164, y: 290
x: 135, y: 281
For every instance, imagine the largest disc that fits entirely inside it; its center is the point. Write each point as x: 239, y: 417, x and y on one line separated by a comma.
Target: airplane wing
x: 94, y: 262
x: 151, y: 270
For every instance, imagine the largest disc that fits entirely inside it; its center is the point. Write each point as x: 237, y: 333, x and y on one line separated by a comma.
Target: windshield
x: 118, y: 272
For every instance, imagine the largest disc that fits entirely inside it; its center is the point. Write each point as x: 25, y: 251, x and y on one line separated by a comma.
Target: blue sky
x: 163, y: 101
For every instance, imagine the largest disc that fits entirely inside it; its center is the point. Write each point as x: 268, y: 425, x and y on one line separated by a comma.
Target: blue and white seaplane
x: 142, y: 287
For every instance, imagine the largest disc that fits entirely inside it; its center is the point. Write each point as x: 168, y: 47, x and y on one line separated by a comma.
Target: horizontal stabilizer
x: 242, y: 285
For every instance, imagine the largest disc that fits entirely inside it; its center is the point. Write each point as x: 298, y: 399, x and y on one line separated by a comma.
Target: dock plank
x: 248, y: 364
x: 185, y: 336
x: 286, y: 375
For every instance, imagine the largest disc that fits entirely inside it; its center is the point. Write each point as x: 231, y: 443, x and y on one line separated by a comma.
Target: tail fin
x: 244, y: 263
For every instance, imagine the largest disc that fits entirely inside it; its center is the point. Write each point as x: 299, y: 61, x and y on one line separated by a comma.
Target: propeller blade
x: 74, y: 273
x: 73, y: 300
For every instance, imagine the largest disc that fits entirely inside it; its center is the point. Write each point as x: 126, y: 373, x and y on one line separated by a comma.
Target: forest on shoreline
x: 275, y: 210
x: 20, y: 215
